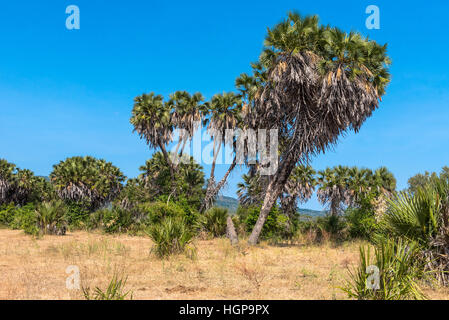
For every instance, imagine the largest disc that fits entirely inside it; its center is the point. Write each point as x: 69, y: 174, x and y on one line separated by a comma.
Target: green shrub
x: 214, y: 221
x: 116, y: 220
x: 399, y: 269
x: 361, y: 223
x: 25, y: 219
x: 51, y: 218
x: 96, y: 219
x: 170, y: 236
x: 422, y: 217
x: 77, y: 214
x: 114, y: 291
x: 323, y: 228
x: 276, y: 226
x: 155, y: 212
x: 7, y: 214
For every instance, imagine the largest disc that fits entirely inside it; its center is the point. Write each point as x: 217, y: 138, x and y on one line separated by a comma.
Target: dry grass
x: 36, y: 269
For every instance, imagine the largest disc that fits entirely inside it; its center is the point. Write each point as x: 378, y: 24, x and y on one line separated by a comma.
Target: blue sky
x: 70, y: 92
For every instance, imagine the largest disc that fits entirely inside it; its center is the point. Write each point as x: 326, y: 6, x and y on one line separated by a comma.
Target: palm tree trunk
x: 230, y: 231
x: 273, y: 192
x: 212, y: 170
x: 170, y: 164
x: 212, y: 192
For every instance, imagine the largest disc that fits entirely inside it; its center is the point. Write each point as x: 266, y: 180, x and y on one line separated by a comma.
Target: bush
x: 155, y: 212
x: 423, y: 217
x: 116, y: 220
x: 171, y: 236
x: 214, y: 221
x: 50, y: 217
x: 25, y: 219
x: 7, y: 214
x: 276, y: 226
x: 77, y: 214
x: 399, y: 269
x: 361, y: 223
x: 324, y: 228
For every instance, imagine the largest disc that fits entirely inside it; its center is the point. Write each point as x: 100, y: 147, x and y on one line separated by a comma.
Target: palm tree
x: 86, y: 179
x: 299, y: 188
x: 321, y: 82
x: 152, y: 120
x: 187, y: 113
x: 359, y: 184
x: 189, y: 178
x: 250, y: 190
x: 224, y: 114
x: 20, y: 186
x: 6, y: 177
x: 334, y: 190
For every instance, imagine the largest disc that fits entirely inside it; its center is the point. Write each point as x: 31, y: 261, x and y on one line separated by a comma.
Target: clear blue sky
x: 66, y: 93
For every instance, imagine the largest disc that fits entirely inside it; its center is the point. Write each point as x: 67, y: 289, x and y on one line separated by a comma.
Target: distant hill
x: 227, y: 202
x: 232, y: 204
x: 312, y: 213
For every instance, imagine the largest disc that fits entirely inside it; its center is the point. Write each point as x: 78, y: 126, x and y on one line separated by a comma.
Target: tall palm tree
x: 321, y: 82
x: 152, y: 120
x: 334, y: 190
x: 299, y: 188
x: 224, y: 114
x: 187, y: 113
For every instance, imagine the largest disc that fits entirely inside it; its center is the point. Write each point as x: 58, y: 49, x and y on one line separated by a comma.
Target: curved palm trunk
x: 274, y: 190
x: 212, y: 192
x: 170, y: 164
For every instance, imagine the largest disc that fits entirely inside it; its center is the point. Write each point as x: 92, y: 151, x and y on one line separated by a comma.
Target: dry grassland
x: 36, y: 268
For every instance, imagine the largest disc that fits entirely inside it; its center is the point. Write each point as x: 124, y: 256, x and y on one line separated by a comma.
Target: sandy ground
x: 36, y: 268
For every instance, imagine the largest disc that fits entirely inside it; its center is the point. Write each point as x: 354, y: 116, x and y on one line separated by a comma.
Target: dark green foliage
x: 86, y: 179
x: 155, y: 212
x: 22, y: 186
x: 362, y: 220
x: 116, y: 220
x: 77, y: 214
x: 276, y: 226
x: 399, y: 268
x: 51, y: 217
x: 188, y: 181
x: 7, y: 214
x: 213, y: 221
x: 423, y: 217
x: 362, y: 223
x: 25, y: 219
x: 170, y: 236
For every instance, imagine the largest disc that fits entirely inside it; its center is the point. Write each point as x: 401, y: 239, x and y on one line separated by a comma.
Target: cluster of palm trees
x: 312, y: 84
x: 337, y: 188
x: 156, y: 120
x: 19, y: 185
x: 344, y: 186
x: 87, y: 179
